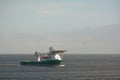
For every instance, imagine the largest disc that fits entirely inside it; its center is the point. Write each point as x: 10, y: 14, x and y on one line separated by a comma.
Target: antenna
x: 51, y: 49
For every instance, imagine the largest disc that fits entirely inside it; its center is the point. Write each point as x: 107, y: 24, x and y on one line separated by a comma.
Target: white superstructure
x: 51, y: 55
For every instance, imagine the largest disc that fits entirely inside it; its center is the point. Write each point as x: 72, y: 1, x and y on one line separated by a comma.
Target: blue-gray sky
x: 79, y: 26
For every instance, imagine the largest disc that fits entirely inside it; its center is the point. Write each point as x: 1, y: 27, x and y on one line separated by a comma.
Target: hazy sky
x: 79, y: 26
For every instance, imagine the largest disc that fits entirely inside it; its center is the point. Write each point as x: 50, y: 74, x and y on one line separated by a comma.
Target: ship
x: 53, y: 57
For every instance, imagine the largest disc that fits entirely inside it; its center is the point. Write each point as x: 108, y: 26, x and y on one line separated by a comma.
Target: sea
x: 77, y: 67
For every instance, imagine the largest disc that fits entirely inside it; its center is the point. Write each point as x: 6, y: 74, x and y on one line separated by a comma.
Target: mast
x: 37, y: 55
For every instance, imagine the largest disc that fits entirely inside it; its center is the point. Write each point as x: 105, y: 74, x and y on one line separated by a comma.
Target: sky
x: 78, y: 26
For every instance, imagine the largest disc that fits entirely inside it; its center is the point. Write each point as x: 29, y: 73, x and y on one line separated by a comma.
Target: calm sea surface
x: 78, y: 67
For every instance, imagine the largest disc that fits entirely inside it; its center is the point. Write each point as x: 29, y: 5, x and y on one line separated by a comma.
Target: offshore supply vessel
x: 53, y: 57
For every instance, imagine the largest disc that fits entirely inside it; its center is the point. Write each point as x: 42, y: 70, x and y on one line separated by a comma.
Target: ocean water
x: 77, y: 67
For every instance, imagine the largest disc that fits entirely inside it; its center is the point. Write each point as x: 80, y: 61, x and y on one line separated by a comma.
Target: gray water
x: 78, y: 67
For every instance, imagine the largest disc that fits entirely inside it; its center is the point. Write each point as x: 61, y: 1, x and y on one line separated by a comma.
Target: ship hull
x: 46, y: 62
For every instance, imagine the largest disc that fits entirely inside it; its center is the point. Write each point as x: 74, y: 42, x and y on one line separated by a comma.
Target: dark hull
x: 46, y: 62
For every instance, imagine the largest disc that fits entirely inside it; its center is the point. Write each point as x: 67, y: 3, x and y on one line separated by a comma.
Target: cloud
x: 104, y: 39
x: 52, y: 12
